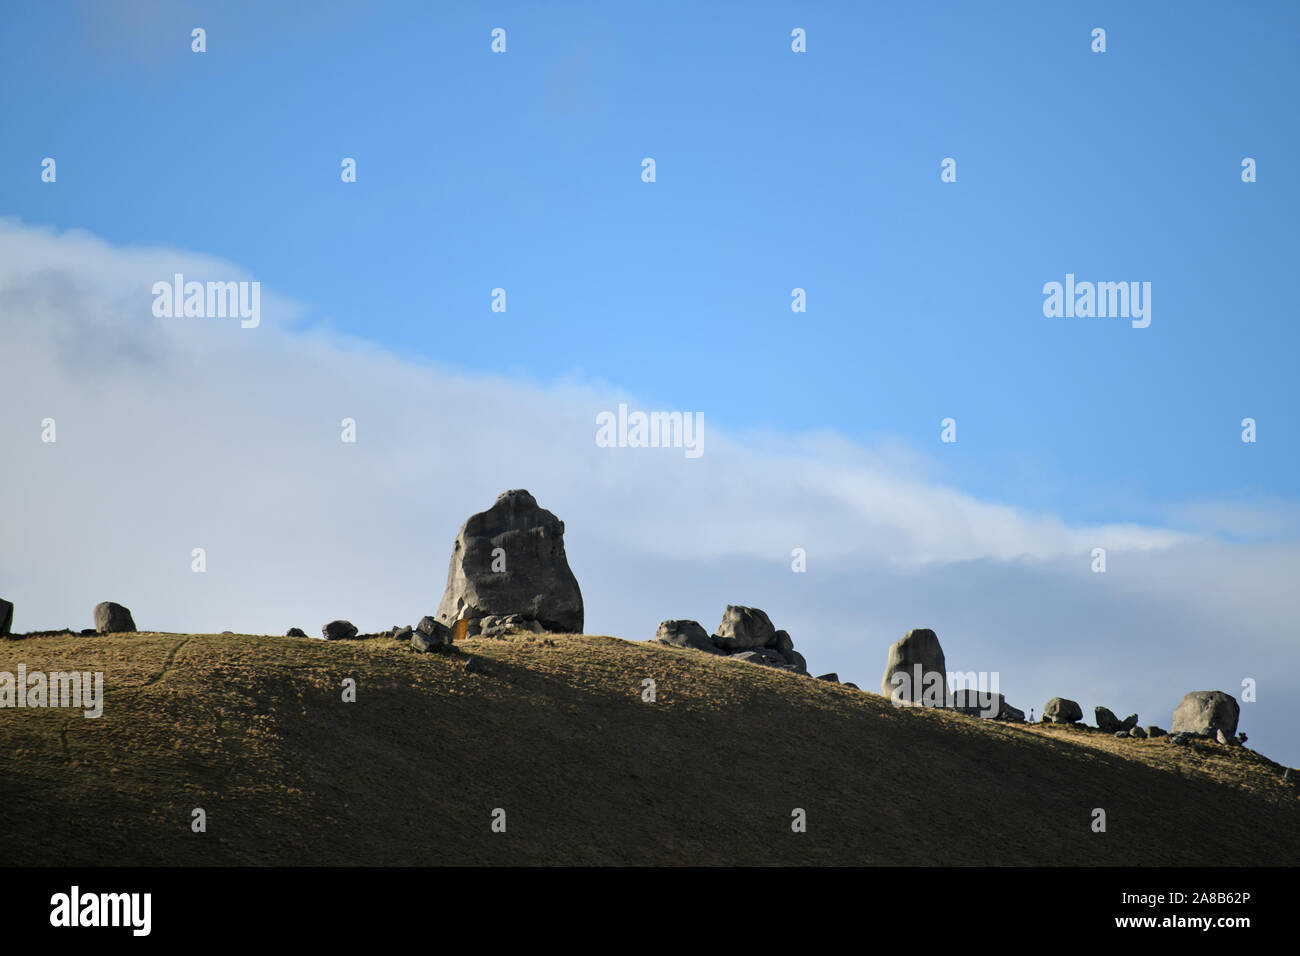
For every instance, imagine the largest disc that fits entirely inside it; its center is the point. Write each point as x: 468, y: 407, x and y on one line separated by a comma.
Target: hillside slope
x: 254, y: 730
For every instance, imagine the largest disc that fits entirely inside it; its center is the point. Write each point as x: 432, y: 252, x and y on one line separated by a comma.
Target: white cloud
x: 175, y: 434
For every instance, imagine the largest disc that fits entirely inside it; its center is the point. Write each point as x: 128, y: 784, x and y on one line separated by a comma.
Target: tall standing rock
x: 510, y: 560
x: 112, y: 618
x: 6, y: 616
x: 919, y: 656
x: 1205, y: 711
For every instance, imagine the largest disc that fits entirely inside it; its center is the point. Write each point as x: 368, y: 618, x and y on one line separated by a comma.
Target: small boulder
x: 1138, y: 732
x: 1129, y: 722
x: 797, y: 662
x: 1153, y: 731
x: 686, y: 634
x: 978, y: 703
x: 1121, y: 733
x: 1180, y: 739
x: 295, y: 632
x: 832, y: 677
x: 475, y: 665
x: 113, y: 618
x: 403, y: 633
x: 913, y: 663
x: 339, y: 631
x: 1226, y: 739
x: 6, y: 617
x: 1061, y: 710
x: 1202, y: 712
x: 1107, y: 722
x: 426, y: 643
x: 850, y: 684
x: 744, y: 628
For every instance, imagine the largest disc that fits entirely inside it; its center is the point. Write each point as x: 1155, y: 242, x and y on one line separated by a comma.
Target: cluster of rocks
x: 1202, y: 714
x: 109, y: 618
x: 745, y: 634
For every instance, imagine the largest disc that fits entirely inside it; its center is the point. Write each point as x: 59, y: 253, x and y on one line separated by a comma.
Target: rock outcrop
x: 745, y: 634
x: 1107, y: 721
x: 339, y: 631
x: 113, y: 618
x: 6, y: 617
x: 1061, y: 710
x: 510, y: 561
x: 686, y: 634
x: 1202, y: 712
x: 915, y: 669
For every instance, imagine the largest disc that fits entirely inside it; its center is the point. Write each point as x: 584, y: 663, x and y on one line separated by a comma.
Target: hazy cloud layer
x: 182, y: 433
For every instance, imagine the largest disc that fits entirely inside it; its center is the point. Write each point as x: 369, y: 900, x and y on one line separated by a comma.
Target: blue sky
x: 775, y: 170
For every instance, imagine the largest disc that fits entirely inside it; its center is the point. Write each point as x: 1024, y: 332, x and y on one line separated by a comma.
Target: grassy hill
x: 254, y: 730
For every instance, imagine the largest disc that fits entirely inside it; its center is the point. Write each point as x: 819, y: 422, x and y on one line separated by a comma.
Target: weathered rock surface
x: 295, y: 632
x: 1202, y: 712
x: 1129, y: 722
x: 913, y: 661
x: 745, y: 628
x: 684, y: 633
x: 339, y: 631
x: 987, y: 704
x: 113, y: 618
x: 1138, y: 732
x: 832, y: 677
x: 1062, y: 710
x: 1107, y: 721
x: 1154, y: 731
x: 6, y: 617
x: 532, y: 578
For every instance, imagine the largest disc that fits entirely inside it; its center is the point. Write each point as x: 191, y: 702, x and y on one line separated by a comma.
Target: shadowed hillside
x: 554, y: 730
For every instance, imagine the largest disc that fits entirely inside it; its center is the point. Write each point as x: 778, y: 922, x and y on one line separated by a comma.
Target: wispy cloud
x: 175, y: 434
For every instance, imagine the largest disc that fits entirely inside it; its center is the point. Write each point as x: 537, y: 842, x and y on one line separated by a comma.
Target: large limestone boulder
x: 1202, y: 712
x: 1062, y: 710
x: 1107, y: 721
x: 912, y: 662
x: 113, y: 618
x: 686, y: 634
x: 6, y: 616
x: 339, y: 631
x: 745, y: 628
x: 528, y: 576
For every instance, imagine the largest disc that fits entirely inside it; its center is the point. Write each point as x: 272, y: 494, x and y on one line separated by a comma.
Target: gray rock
x: 339, y: 630
x: 783, y: 642
x: 475, y: 665
x: 1062, y: 710
x: 762, y: 655
x: 977, y: 703
x: 1202, y: 712
x: 426, y: 643
x: 686, y: 634
x: 295, y: 632
x: 1129, y: 722
x: 403, y: 633
x: 1107, y: 722
x: 1180, y: 739
x: 850, y: 684
x: 1014, y: 714
x: 797, y: 662
x: 832, y: 677
x: 1138, y: 732
x: 744, y: 628
x: 913, y: 661
x: 112, y: 618
x: 1121, y: 733
x: 434, y: 628
x: 1154, y: 731
x: 6, y: 616
x: 1226, y: 739
x: 536, y: 584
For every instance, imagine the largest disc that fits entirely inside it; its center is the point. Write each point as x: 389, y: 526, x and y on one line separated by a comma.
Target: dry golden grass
x: 253, y: 729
